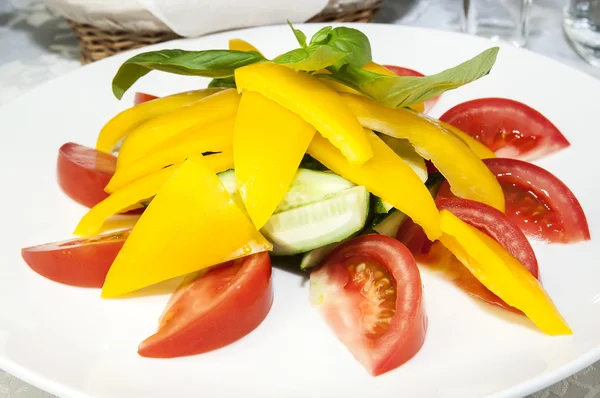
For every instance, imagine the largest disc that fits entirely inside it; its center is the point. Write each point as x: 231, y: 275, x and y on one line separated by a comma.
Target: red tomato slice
x: 400, y: 71
x: 143, y: 97
x: 488, y: 220
x: 509, y: 128
x: 369, y: 292
x: 537, y: 202
x: 77, y: 262
x: 495, y: 224
x: 84, y: 172
x: 214, y: 309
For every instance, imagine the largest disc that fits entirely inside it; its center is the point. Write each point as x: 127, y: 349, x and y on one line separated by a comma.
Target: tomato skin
x: 143, y: 97
x: 237, y: 296
x: 496, y: 225
x: 401, y: 71
x: 77, y: 262
x: 509, y: 128
x: 408, y: 325
x: 83, y: 173
x: 488, y: 220
x: 561, y: 218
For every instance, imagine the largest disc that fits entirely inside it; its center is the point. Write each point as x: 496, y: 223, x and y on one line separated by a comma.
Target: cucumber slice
x: 315, y: 257
x: 389, y: 226
x: 308, y: 186
x: 329, y: 220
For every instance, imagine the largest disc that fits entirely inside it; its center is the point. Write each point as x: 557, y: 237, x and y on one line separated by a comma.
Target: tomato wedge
x: 401, y: 71
x: 83, y: 173
x: 509, y: 128
x: 143, y: 97
x: 369, y: 293
x: 214, y: 309
x: 537, y: 202
x: 488, y: 220
x: 76, y: 262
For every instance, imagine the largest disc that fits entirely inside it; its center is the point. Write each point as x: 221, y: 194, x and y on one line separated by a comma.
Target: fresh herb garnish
x: 209, y: 63
x: 402, y: 91
x: 226, y: 82
x: 342, y: 50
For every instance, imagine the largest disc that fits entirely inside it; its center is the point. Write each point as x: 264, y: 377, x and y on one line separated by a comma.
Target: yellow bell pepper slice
x: 313, y: 101
x: 155, y: 131
x: 191, y: 224
x: 386, y: 175
x: 122, y: 124
x: 121, y: 200
x: 269, y: 142
x: 500, y: 272
x: 217, y: 162
x: 468, y: 176
x: 241, y: 45
x: 216, y: 137
x: 477, y: 147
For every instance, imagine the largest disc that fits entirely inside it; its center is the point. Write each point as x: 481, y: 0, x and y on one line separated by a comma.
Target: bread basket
x: 107, y: 27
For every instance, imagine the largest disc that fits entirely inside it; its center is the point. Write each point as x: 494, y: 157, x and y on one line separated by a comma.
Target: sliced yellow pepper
x: 468, y: 176
x: 216, y: 137
x: 313, y: 101
x: 241, y: 45
x: 155, y: 131
x: 122, y: 124
x: 191, y: 224
x: 477, y: 147
x: 217, y: 162
x: 269, y: 143
x: 501, y: 273
x: 386, y: 175
x: 121, y: 200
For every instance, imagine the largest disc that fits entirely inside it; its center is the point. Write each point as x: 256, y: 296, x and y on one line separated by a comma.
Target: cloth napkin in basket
x: 196, y: 17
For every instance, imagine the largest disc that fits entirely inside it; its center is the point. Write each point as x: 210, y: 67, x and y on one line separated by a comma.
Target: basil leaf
x: 300, y: 36
x: 351, y: 41
x: 311, y: 58
x: 226, y: 82
x: 209, y: 63
x: 321, y: 36
x: 402, y: 91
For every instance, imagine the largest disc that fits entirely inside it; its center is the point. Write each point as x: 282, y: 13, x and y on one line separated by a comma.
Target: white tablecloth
x: 36, y: 46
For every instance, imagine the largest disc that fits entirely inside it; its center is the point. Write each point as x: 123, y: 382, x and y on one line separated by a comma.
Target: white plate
x: 70, y: 342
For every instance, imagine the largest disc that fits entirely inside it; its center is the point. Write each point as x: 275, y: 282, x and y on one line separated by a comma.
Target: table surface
x: 36, y: 46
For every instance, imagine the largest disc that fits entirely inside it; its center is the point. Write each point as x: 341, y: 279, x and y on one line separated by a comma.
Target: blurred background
x: 37, y: 45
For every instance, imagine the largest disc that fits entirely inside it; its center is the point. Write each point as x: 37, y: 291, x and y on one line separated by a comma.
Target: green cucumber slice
x: 389, y: 225
x: 308, y: 186
x: 317, y: 224
x: 315, y: 257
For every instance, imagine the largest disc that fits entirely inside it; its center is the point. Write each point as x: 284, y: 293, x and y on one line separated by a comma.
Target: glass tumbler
x: 501, y: 20
x: 582, y: 26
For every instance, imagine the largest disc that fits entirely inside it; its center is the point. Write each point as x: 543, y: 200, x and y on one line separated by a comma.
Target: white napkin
x: 196, y: 17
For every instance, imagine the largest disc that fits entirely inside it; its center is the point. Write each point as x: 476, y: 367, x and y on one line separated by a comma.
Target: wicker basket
x: 96, y: 43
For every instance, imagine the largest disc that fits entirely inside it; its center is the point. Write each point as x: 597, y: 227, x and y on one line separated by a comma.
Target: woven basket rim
x: 96, y: 43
